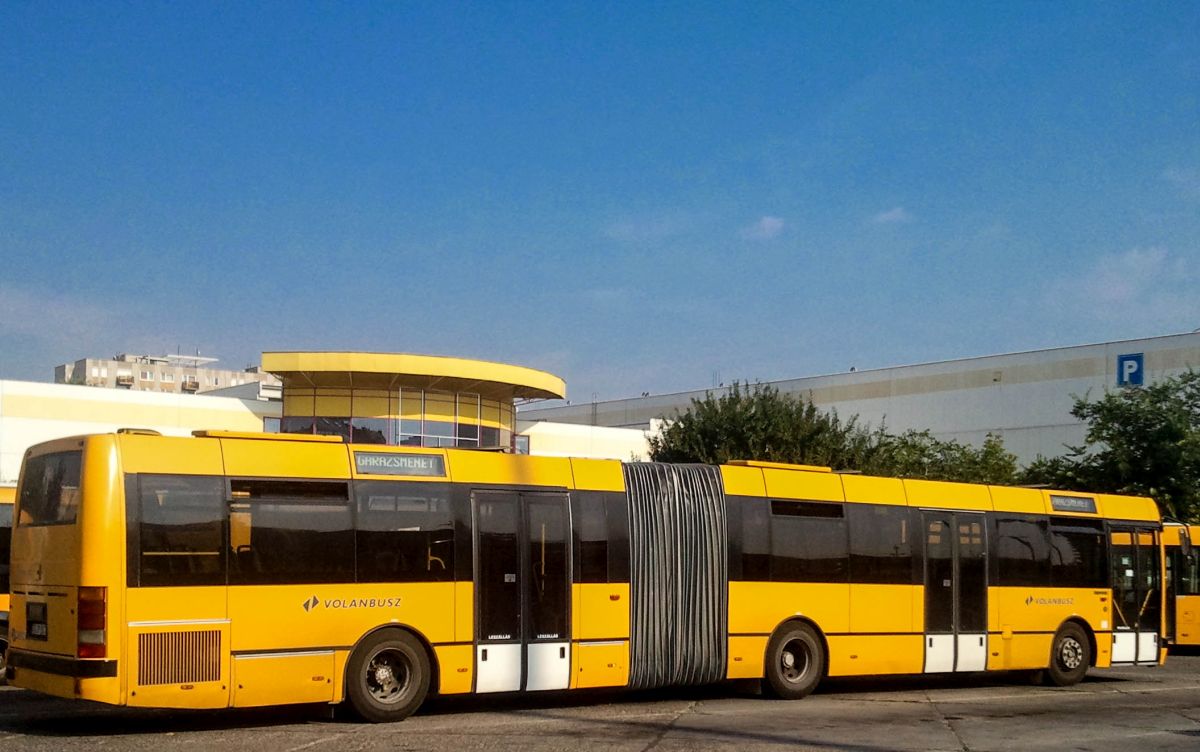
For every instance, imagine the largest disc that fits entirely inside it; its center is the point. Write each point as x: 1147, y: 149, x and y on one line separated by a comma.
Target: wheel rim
x: 794, y: 661
x: 1070, y: 653
x: 388, y: 676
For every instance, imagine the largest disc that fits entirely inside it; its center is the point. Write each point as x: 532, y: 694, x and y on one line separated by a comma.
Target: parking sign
x: 1131, y: 369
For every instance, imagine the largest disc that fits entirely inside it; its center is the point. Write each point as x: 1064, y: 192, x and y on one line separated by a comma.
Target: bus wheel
x: 387, y: 677
x: 795, y: 661
x: 1070, y: 656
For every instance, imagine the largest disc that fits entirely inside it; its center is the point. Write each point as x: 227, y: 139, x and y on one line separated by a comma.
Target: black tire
x: 387, y: 676
x: 1070, y: 656
x: 795, y: 661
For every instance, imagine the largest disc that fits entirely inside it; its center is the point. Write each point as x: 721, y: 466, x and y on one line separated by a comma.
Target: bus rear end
x: 67, y: 568
x: 7, y: 494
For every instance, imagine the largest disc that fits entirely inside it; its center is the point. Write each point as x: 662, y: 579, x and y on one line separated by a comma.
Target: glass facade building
x: 405, y: 400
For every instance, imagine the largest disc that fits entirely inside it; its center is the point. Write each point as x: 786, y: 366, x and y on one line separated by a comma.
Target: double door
x: 522, y: 591
x: 1137, y: 594
x: 955, y: 591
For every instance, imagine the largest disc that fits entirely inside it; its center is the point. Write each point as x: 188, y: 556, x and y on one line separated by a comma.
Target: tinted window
x: 181, y: 530
x: 1186, y: 572
x: 808, y: 542
x: 546, y: 560
x: 6, y: 520
x: 290, y: 532
x: 616, y: 512
x: 1078, y: 553
x: 1150, y: 581
x: 369, y: 430
x: 756, y: 540
x: 50, y: 489
x: 880, y: 544
x: 1022, y: 551
x: 972, y: 573
x: 591, y: 538
x: 332, y: 427
x: 405, y: 532
x: 296, y: 424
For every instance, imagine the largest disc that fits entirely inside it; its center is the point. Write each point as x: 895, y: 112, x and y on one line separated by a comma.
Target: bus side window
x: 180, y: 530
x: 591, y: 537
x: 1022, y: 551
x: 881, y: 541
x: 808, y: 542
x: 298, y: 532
x: 405, y: 532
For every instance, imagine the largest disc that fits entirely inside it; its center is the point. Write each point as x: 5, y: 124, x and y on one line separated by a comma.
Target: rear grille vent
x: 179, y: 657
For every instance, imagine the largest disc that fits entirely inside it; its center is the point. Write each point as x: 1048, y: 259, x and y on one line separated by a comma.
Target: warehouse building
x: 1025, y: 397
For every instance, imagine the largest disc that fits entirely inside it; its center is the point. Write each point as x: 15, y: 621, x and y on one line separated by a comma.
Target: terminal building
x: 1025, y: 398
x: 371, y: 398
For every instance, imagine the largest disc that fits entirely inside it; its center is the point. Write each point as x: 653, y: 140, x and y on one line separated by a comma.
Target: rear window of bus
x: 50, y: 489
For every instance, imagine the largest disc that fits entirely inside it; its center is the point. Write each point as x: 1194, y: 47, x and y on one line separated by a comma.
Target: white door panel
x: 1124, y: 649
x: 497, y: 668
x: 939, y: 654
x: 972, y: 652
x: 549, y: 666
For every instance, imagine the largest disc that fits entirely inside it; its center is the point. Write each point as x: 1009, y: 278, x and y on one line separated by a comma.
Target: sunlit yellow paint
x: 872, y: 490
x: 797, y: 484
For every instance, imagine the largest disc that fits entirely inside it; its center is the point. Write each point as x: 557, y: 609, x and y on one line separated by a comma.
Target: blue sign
x: 1131, y: 369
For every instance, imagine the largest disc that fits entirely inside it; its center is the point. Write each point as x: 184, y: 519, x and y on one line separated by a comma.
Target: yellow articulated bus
x: 1183, y: 583
x: 246, y: 570
x: 7, y: 494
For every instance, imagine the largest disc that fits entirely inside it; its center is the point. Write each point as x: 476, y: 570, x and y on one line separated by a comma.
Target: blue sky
x: 636, y: 197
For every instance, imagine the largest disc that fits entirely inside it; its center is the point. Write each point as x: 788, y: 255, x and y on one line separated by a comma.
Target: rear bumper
x: 59, y: 665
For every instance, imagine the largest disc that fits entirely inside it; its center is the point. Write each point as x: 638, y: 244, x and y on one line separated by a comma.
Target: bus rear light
x: 91, y: 614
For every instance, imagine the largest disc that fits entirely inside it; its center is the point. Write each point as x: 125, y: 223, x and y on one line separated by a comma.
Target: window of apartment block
x: 147, y: 376
x: 167, y: 376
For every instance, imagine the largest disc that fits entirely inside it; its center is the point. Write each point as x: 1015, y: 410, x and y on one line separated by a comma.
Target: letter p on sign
x: 1130, y: 369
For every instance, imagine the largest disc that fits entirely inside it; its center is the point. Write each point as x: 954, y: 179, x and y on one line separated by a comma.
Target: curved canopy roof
x: 343, y: 370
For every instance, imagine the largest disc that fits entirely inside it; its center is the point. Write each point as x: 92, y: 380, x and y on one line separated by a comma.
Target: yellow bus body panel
x: 867, y: 655
x: 941, y: 495
x: 882, y: 608
x: 1022, y: 622
x: 1127, y: 507
x: 285, y: 459
x: 170, y: 455
x: 1187, y: 619
x: 1018, y: 500
x: 743, y: 481
x: 274, y: 679
x: 456, y: 665
x: 746, y: 656
x: 464, y: 612
x: 341, y: 615
x: 799, y: 484
x: 508, y: 469
x: 601, y: 611
x: 600, y: 664
x: 871, y: 490
x: 597, y: 475
x: 760, y: 607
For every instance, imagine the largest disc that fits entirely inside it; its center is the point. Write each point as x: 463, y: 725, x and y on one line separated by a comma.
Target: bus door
x: 955, y: 592
x: 1137, y: 594
x: 522, y: 591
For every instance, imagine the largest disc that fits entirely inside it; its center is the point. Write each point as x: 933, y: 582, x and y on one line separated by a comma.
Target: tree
x: 917, y: 454
x: 1140, y: 440
x: 760, y: 423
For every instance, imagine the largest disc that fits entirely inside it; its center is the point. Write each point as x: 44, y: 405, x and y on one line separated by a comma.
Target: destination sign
x: 1073, y: 504
x: 380, y: 463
